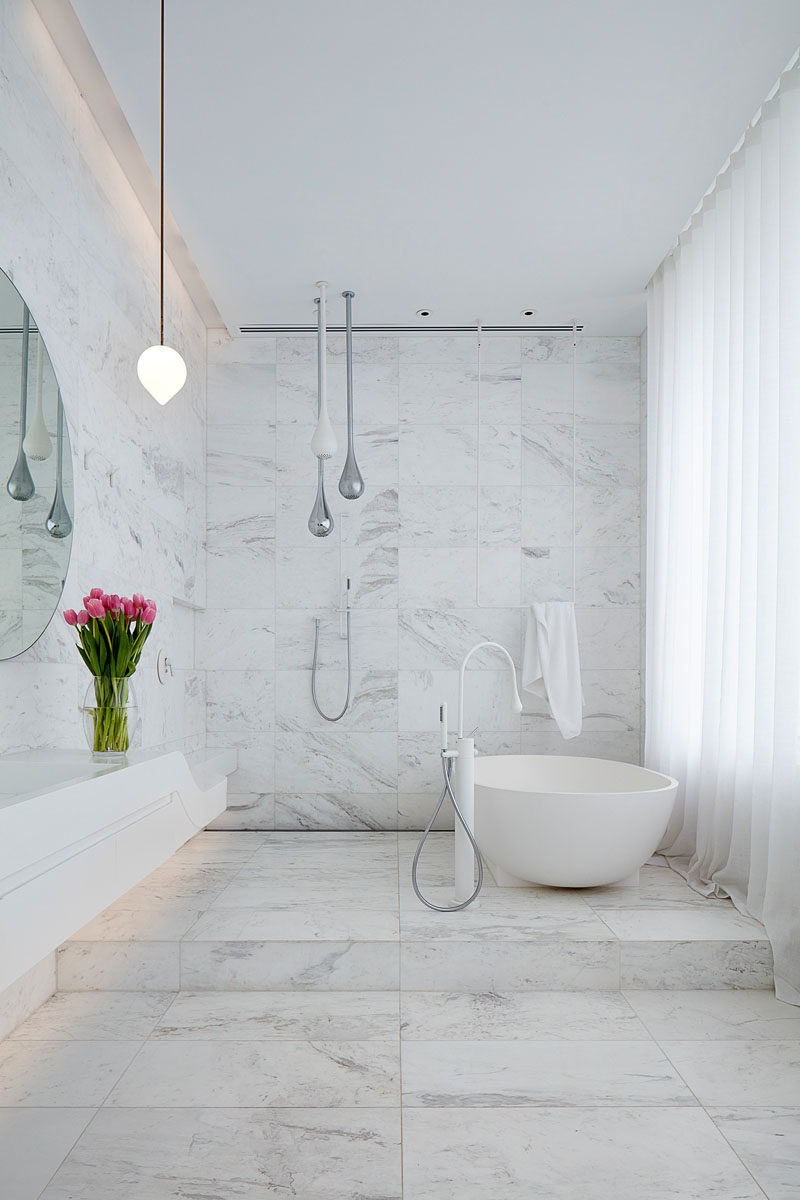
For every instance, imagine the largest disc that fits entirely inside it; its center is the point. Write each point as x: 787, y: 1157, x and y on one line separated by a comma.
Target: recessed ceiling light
x: 423, y: 312
x: 529, y: 312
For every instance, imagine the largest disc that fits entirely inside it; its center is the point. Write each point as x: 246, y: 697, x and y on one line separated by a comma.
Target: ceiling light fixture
x: 528, y: 312
x: 160, y: 368
x: 423, y: 312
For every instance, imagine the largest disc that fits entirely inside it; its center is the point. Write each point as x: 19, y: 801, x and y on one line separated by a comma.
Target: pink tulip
x: 149, y: 615
x: 83, y: 617
x: 86, y: 600
x: 112, y: 603
x: 138, y: 599
x: 70, y: 616
x: 96, y: 608
x: 96, y: 594
x: 150, y: 604
x: 129, y: 608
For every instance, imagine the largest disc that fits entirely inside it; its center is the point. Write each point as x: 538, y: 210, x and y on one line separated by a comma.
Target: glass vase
x: 110, y: 716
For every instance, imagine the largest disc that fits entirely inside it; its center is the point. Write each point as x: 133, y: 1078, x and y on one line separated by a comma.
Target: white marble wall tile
x: 235, y: 639
x: 607, y: 576
x: 420, y: 764
x: 257, y: 349
x: 439, y: 394
x: 546, y: 393
x: 558, y: 347
x: 546, y: 573
x: 373, y: 572
x: 621, y: 747
x: 371, y: 348
x: 336, y: 810
x: 547, y: 455
x: 608, y: 391
x: 376, y: 451
x: 243, y: 700
x: 374, y: 639
x: 438, y: 455
x: 437, y: 348
x: 487, y: 700
x: 612, y: 704
x: 609, y: 638
x: 308, y: 573
x: 547, y: 515
x: 607, y: 516
x: 255, y: 773
x: 296, y: 391
x: 432, y: 638
x: 436, y: 515
x: 607, y: 455
x: 414, y: 810
x: 346, y: 762
x: 499, y: 577
x: 436, y: 578
x: 500, y: 516
x: 500, y: 400
x: 500, y: 455
x: 370, y: 522
x: 241, y: 393
x: 241, y: 455
x: 373, y: 706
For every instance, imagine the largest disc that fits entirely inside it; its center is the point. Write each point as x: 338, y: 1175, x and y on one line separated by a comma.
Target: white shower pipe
x: 323, y: 443
x: 465, y: 777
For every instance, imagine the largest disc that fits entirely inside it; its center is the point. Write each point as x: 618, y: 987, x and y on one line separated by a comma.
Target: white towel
x: 551, y: 666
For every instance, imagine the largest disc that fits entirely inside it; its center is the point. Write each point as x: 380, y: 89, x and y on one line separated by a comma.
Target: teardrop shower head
x: 351, y: 483
x: 323, y: 443
x: 320, y: 523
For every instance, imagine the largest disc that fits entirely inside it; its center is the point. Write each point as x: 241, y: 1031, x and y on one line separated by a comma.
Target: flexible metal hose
x: 447, y: 790
x: 325, y: 716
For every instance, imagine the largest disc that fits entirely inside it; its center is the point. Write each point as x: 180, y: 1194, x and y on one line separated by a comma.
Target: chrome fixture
x: 20, y: 484
x: 323, y: 443
x: 351, y: 483
x: 320, y: 523
x: 59, y: 522
x: 339, y: 715
x: 160, y: 368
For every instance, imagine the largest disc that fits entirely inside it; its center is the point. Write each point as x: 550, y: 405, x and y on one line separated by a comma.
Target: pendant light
x: 160, y: 368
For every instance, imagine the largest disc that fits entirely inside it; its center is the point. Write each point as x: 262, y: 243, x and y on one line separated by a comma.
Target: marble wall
x: 77, y: 244
x: 467, y: 516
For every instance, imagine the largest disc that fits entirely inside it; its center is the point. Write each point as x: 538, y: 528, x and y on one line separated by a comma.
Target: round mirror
x: 36, y: 492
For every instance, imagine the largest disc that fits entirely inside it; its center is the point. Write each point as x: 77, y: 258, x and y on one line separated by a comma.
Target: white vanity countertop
x: 35, y: 772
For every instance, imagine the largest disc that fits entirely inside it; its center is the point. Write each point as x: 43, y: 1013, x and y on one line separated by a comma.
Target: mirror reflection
x: 36, y: 492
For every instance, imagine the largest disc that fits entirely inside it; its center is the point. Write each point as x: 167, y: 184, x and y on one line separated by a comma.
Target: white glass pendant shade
x: 162, y: 371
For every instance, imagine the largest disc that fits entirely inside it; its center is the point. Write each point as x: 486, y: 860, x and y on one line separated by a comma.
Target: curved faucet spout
x: 516, y: 702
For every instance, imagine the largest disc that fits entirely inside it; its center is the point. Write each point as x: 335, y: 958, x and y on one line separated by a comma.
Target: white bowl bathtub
x: 567, y: 822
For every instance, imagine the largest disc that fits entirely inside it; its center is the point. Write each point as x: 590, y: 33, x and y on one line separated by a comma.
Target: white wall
x: 410, y: 548
x: 78, y: 246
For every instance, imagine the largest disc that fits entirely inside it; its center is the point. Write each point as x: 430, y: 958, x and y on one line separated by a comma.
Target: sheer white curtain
x: 723, y: 542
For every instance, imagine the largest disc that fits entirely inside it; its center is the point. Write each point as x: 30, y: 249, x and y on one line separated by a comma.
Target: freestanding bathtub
x: 567, y: 822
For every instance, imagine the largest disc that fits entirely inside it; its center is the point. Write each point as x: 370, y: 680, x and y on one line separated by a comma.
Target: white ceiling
x: 475, y: 157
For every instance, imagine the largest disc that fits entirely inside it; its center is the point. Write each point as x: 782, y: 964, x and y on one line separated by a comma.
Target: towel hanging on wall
x: 551, y: 667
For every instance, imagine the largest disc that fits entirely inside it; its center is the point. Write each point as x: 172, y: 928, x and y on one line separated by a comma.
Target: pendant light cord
x: 161, y: 222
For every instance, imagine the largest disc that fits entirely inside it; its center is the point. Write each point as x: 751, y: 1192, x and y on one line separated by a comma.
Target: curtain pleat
x: 723, y: 544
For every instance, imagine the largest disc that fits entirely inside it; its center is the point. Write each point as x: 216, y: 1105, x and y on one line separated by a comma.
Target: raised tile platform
x: 276, y: 1014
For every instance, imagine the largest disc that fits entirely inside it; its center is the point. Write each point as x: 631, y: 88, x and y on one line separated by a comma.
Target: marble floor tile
x: 327, y: 925
x: 33, y: 1143
x: 246, y: 1154
x: 119, y: 966
x: 746, y: 1015
x: 282, y: 1016
x: 509, y: 966
x: 192, y: 1074
x: 233, y: 966
x: 523, y: 1016
x: 659, y: 887
x: 688, y: 965
x: 95, y: 1016
x: 767, y: 1141
x: 468, y: 1074
x: 735, y: 1073
x: 219, y: 849
x: 61, y: 1074
x: 682, y: 924
x: 495, y: 919
x: 148, y: 924
x: 569, y: 1154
